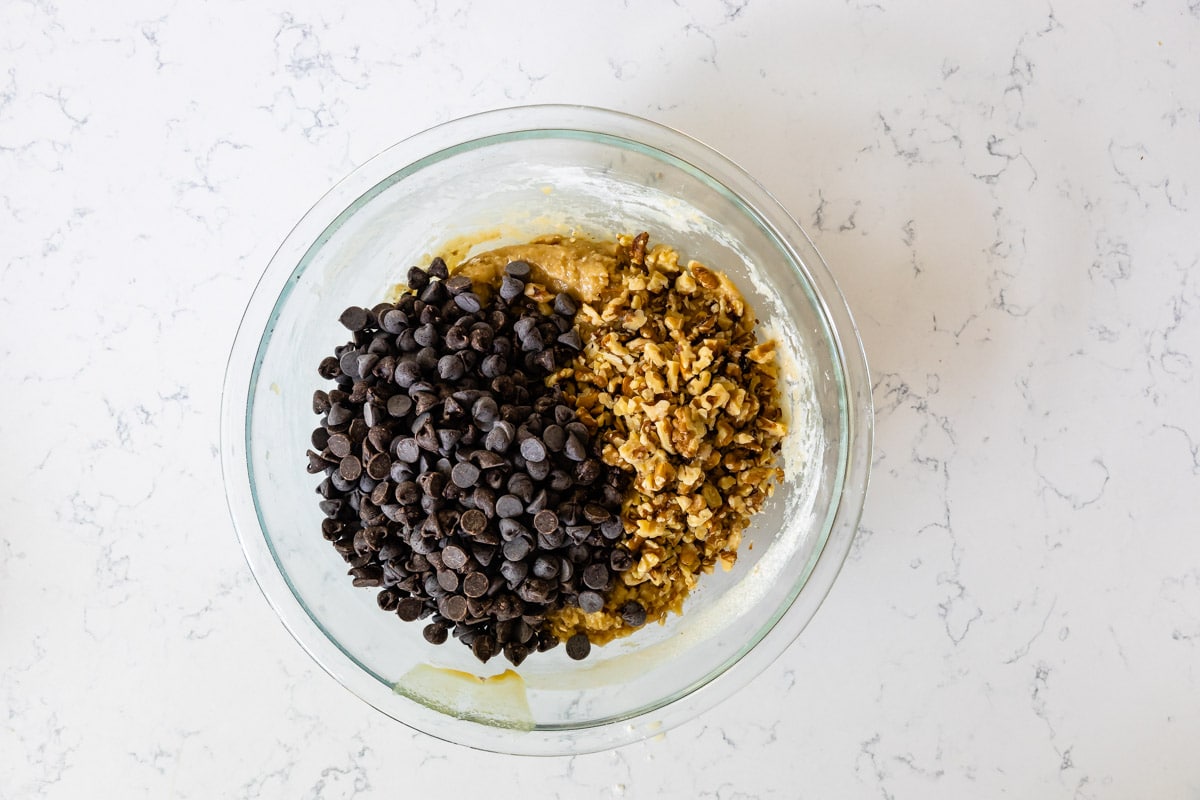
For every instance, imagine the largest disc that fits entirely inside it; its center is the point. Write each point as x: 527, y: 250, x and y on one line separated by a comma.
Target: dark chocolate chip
x: 407, y: 342
x: 560, y: 481
x: 552, y: 539
x: 484, y: 647
x: 407, y: 373
x: 447, y: 580
x: 425, y: 434
x: 586, y: 472
x: 545, y: 521
x: 365, y: 363
x: 475, y: 584
x: 518, y: 548
x: 564, y: 304
x: 427, y: 335
x: 500, y: 437
x: 485, y: 410
x: 453, y: 607
x: 409, y: 609
x: 394, y: 321
x: 447, y: 439
x: 350, y: 468
x: 380, y: 439
x: 532, y: 449
x: 509, y: 505
x: 486, y: 459
x: 321, y: 403
x: 536, y: 590
x: 516, y: 653
x: 533, y: 342
x: 524, y: 326
x: 379, y: 466
x: 545, y: 567
x: 469, y: 302
x: 620, y: 560
x: 473, y: 521
x: 633, y: 614
x: 538, y: 470
x: 595, y: 576
x: 408, y: 493
x: 418, y: 279
x: 407, y: 450
x: 514, y: 571
x: 456, y: 338
x: 454, y: 557
x: 485, y: 500
x: 386, y: 599
x: 540, y: 500
x: 521, y: 485
x: 571, y: 339
x: 595, y: 513
x: 510, y: 528
x: 348, y: 363
x: 465, y: 475
x: 518, y: 269
x: 451, y: 368
x: 329, y: 368
x: 338, y: 415
x: 423, y: 386
x: 511, y: 288
x: 355, y: 318
x: 574, y: 448
x: 555, y: 438
x: 340, y: 445
x: 481, y: 337
x: 590, y: 601
x: 493, y: 366
x: 578, y: 646
x: 435, y: 633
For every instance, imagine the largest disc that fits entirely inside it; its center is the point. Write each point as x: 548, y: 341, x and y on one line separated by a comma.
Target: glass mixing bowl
x: 510, y: 175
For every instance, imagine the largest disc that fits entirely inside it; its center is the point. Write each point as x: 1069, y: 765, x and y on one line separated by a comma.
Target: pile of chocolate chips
x: 455, y: 480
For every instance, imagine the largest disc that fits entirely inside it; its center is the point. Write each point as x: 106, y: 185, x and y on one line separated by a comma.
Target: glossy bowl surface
x: 510, y: 175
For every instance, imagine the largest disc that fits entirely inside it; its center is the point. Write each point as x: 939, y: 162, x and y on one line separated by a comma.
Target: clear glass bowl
x: 518, y: 173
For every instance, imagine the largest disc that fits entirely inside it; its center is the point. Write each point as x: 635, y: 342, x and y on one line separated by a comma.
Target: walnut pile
x: 686, y: 400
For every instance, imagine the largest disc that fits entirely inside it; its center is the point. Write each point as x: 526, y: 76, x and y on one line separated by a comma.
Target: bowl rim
x: 857, y: 413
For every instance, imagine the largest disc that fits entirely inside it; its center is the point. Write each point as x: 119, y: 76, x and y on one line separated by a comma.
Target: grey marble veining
x: 1009, y: 195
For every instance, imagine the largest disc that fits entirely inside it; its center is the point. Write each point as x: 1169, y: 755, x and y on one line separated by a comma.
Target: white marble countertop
x: 1008, y: 194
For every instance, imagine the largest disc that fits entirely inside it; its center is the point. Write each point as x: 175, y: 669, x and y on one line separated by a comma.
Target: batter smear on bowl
x: 549, y: 442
